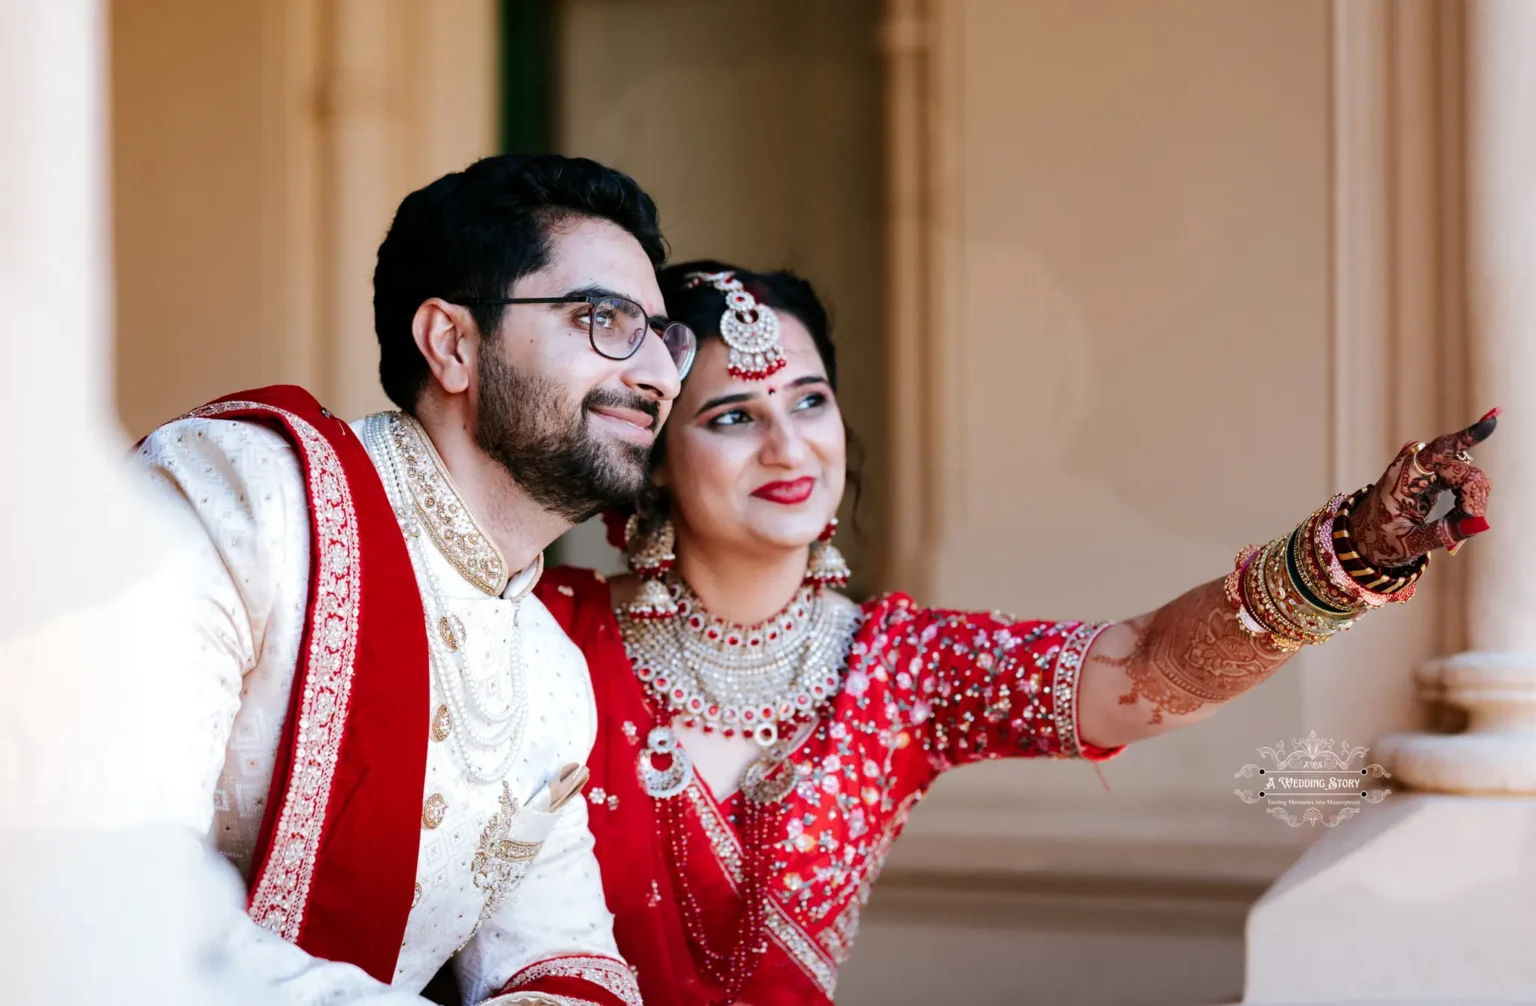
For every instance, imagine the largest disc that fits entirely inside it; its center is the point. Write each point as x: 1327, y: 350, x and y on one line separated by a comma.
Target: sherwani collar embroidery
x: 447, y: 518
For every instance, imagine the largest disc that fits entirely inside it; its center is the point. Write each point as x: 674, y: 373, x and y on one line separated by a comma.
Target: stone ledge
x: 1063, y: 902
x: 1097, y: 835
x: 1427, y: 899
x: 954, y: 852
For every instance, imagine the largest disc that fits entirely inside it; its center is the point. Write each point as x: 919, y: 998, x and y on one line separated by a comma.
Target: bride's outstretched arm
x: 1177, y: 665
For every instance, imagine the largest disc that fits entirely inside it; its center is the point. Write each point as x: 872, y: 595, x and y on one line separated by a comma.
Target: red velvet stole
x: 648, y: 920
x: 335, y: 864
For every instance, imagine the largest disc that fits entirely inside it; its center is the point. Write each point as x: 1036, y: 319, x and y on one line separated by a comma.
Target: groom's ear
x: 448, y: 340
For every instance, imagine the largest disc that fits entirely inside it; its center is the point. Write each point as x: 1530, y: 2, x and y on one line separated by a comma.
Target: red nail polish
x: 1469, y: 526
x: 1493, y: 413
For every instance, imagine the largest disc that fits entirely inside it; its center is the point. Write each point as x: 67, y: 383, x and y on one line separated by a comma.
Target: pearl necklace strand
x: 756, y: 680
x: 488, y: 712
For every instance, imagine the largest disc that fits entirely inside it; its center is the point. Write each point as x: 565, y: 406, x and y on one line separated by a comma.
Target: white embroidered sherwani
x: 504, y: 887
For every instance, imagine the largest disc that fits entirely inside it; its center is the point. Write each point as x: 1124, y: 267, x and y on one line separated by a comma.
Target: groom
x: 384, y: 729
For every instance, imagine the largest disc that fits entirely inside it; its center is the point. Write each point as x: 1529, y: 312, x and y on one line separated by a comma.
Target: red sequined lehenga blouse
x: 923, y: 691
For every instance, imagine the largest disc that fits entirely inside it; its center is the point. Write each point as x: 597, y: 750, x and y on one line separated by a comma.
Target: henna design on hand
x: 1391, y: 525
x: 1190, y: 653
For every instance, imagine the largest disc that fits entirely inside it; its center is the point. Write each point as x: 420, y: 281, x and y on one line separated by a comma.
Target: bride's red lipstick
x: 787, y: 493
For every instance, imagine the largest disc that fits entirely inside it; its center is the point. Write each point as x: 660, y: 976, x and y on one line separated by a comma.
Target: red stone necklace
x: 803, y: 647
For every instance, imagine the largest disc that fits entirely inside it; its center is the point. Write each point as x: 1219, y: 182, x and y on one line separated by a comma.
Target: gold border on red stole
x: 279, y: 896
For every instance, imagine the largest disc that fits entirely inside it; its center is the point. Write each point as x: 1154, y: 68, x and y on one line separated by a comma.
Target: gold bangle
x: 1258, y: 603
x: 1269, y: 613
x: 1304, y: 583
x: 1314, y: 571
x: 1289, y: 605
x: 1247, y: 621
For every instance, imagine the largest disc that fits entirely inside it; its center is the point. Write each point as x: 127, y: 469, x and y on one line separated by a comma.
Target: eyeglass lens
x: 619, y: 326
x: 681, y: 343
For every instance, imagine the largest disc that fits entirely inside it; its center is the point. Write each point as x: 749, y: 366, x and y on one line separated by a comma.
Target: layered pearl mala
x: 487, y: 711
x: 762, y: 681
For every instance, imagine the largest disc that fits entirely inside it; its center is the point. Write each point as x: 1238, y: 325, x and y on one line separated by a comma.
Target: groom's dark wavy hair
x: 473, y: 233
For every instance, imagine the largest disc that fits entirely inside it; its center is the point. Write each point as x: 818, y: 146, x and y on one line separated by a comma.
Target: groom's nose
x: 652, y: 372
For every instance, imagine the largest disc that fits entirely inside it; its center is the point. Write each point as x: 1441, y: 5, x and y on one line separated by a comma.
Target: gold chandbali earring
x: 650, y: 558
x: 827, y: 567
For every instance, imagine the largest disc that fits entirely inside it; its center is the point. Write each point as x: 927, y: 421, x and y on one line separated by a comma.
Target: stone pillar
x: 905, y: 35
x: 1495, y: 680
x: 1430, y: 896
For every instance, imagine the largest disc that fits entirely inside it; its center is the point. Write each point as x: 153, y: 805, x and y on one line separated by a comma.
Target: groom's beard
x: 528, y: 426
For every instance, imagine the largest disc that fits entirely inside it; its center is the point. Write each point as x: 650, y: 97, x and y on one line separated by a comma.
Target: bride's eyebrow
x: 740, y: 397
x: 714, y: 403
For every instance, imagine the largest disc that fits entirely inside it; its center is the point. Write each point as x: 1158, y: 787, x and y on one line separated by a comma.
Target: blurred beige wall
x: 1171, y: 275
x: 259, y: 150
x: 198, y: 300
x: 1127, y: 364
x: 756, y: 126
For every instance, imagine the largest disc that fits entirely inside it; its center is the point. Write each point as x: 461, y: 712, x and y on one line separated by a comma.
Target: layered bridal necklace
x: 756, y: 680
x: 764, y: 681
x: 486, y: 708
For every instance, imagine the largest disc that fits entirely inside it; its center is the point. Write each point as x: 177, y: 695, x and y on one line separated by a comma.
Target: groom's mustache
x: 608, y: 398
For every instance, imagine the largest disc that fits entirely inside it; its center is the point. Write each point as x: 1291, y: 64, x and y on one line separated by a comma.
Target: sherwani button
x: 433, y: 812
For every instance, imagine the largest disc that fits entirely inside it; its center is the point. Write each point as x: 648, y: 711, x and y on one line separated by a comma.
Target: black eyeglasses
x: 617, y: 326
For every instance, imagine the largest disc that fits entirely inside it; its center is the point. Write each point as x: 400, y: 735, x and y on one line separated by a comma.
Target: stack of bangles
x: 1303, y: 587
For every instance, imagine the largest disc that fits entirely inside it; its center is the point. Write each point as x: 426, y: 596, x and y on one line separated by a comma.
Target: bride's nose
x: 783, y: 447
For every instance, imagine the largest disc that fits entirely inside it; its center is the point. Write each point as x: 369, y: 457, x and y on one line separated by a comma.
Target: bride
x: 762, y: 738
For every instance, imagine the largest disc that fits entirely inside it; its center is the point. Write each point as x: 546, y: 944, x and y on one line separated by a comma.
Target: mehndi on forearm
x: 1190, y: 653
x: 1215, y: 642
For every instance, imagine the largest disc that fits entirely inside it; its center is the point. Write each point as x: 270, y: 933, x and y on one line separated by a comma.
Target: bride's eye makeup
x: 812, y: 400
x: 731, y: 417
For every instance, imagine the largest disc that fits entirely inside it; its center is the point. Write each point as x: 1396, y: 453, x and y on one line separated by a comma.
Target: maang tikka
x: 750, y: 329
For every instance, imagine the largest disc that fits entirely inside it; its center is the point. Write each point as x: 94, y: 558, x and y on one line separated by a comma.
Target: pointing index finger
x: 1480, y: 430
x: 1445, y: 448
